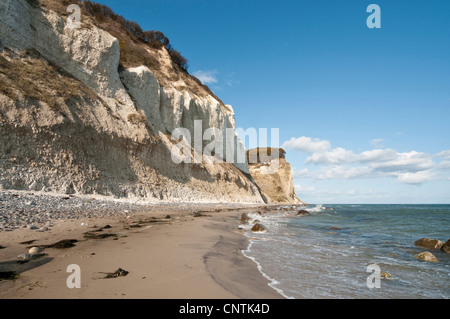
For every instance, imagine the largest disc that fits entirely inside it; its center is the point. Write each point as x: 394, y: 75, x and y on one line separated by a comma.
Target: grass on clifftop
x: 129, y: 33
x: 137, y: 47
x: 34, y: 77
x: 263, y: 154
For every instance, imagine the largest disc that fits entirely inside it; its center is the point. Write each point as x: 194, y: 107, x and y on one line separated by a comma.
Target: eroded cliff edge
x: 73, y: 121
x: 273, y: 175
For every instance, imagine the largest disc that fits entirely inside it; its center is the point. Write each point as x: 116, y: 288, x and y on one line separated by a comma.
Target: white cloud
x: 306, y: 144
x: 300, y: 173
x: 305, y: 189
x: 377, y: 142
x: 338, y: 163
x: 231, y: 83
x: 336, y: 156
x: 386, y: 160
x: 445, y: 165
x: 371, y: 193
x: 444, y: 154
x: 207, y: 77
x: 311, y: 191
x: 407, y: 162
x: 377, y: 155
x: 344, y: 172
x: 415, y: 178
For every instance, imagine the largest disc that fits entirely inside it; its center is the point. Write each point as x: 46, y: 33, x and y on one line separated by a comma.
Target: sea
x: 341, y: 251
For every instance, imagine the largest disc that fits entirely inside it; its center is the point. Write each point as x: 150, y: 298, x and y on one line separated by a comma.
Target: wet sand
x: 190, y: 254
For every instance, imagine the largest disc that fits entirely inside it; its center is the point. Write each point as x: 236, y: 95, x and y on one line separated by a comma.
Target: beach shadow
x: 10, y: 269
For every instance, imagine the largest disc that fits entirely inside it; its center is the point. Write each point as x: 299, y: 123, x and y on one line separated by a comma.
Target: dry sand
x: 184, y: 257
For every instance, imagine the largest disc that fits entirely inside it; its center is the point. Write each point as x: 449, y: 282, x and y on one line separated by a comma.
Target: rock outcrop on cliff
x: 73, y: 120
x: 273, y: 175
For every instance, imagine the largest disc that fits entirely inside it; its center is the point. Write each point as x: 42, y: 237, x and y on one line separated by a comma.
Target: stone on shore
x: 34, y: 250
x: 258, y: 228
x: 303, y: 212
x: 118, y: 273
x: 386, y: 275
x: 245, y: 219
x: 24, y: 256
x: 429, y: 243
x: 427, y: 256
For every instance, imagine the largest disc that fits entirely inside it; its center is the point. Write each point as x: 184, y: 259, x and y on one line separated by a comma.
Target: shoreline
x: 272, y: 281
x: 170, y: 252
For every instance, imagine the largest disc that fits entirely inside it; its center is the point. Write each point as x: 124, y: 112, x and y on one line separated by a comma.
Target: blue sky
x: 363, y: 113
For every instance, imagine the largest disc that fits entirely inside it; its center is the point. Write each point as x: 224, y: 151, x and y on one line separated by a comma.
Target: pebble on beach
x: 34, y: 250
x: 24, y: 256
x: 38, y: 211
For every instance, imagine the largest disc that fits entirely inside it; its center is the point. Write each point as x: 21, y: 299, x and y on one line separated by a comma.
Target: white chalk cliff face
x: 84, y: 127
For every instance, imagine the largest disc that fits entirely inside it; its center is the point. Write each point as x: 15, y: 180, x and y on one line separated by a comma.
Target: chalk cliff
x: 273, y: 175
x: 74, y: 120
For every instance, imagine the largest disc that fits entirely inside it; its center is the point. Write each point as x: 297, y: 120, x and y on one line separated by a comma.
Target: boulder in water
x: 427, y: 256
x: 386, y: 275
x: 429, y: 243
x: 258, y: 228
x: 446, y: 247
x: 303, y: 212
x: 245, y: 219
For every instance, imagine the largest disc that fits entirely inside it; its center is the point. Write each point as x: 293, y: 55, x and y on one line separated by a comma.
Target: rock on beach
x: 258, y: 228
x: 34, y: 250
x: 245, y: 219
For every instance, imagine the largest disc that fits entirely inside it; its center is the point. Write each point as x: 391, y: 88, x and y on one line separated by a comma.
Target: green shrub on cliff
x: 129, y: 33
x: 155, y: 39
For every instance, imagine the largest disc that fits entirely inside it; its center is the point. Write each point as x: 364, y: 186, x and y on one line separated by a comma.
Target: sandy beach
x: 169, y: 251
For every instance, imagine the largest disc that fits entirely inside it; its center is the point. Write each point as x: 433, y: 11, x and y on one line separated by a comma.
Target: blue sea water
x: 304, y: 258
